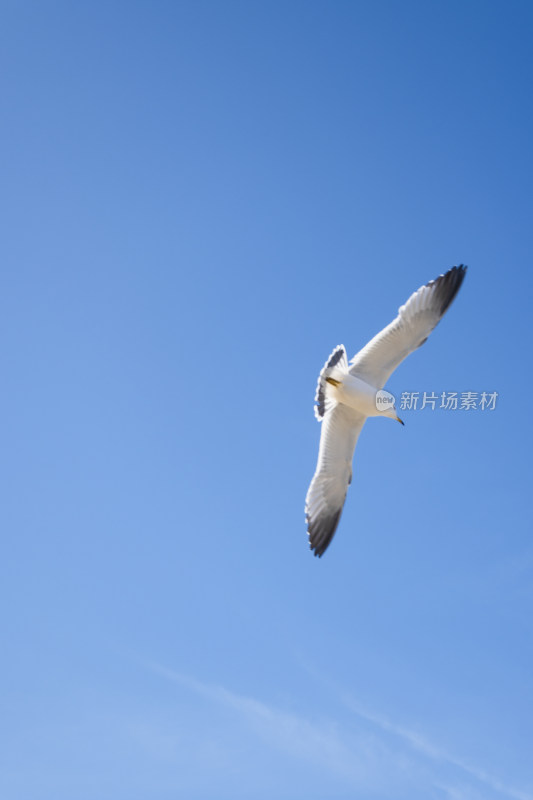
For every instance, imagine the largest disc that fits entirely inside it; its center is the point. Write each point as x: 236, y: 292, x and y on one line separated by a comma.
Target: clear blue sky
x: 199, y: 200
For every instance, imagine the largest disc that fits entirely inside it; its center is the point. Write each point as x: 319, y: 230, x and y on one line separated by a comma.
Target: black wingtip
x: 321, y: 533
x: 447, y: 286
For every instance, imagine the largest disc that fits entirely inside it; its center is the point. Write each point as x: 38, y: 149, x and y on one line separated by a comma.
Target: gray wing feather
x: 325, y: 499
x: 415, y: 321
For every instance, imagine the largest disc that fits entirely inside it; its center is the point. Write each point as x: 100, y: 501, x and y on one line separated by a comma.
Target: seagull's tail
x: 323, y: 396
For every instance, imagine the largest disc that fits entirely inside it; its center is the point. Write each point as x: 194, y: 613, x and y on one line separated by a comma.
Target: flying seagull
x: 349, y: 393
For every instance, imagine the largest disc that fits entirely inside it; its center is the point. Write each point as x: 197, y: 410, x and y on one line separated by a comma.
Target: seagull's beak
x: 333, y: 381
x: 400, y: 420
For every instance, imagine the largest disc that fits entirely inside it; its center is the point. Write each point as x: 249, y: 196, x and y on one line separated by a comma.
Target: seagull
x: 349, y: 393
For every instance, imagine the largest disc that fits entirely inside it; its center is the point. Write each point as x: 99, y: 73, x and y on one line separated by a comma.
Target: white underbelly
x: 358, y: 395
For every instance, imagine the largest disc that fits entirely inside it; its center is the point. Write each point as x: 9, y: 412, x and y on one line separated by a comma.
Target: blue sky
x: 199, y: 201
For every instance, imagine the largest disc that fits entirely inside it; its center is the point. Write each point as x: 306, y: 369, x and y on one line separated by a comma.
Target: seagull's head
x: 393, y: 414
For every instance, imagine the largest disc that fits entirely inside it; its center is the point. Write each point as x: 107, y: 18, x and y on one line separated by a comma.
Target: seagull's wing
x: 323, y: 505
x: 415, y: 321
